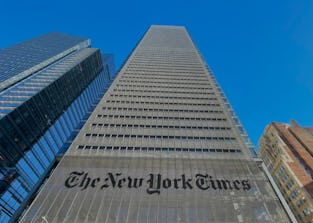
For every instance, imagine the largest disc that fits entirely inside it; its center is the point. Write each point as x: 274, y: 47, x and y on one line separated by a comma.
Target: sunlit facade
x: 49, y: 87
x: 287, y: 152
x: 163, y: 145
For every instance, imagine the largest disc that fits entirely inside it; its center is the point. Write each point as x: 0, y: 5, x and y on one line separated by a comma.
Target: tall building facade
x: 287, y: 152
x: 163, y: 145
x: 49, y: 85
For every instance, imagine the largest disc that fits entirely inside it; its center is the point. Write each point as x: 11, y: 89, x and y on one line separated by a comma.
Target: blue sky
x: 261, y: 52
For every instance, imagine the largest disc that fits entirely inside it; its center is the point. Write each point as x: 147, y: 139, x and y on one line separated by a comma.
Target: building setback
x: 287, y: 152
x: 163, y: 145
x: 49, y: 85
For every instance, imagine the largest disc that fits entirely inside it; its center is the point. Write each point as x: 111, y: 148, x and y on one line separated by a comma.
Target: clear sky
x: 261, y: 52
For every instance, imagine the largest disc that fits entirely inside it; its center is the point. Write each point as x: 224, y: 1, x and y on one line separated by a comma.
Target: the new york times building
x: 163, y: 145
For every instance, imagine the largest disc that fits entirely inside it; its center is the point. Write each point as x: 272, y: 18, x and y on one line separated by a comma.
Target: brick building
x: 287, y: 152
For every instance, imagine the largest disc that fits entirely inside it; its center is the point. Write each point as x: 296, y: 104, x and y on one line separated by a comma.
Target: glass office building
x: 49, y: 86
x: 163, y: 145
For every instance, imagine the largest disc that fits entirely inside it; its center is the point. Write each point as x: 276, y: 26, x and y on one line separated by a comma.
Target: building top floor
x: 24, y: 59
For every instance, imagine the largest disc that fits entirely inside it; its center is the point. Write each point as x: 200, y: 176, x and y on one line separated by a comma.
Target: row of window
x: 285, y: 178
x: 164, y: 59
x: 281, y: 170
x: 87, y: 147
x: 157, y: 96
x: 160, y: 117
x: 165, y: 69
x: 94, y: 135
x: 160, y: 103
x: 165, y: 74
x: 162, y: 110
x: 174, y: 68
x: 301, y: 201
x: 171, y: 92
x: 290, y: 184
x: 305, y: 212
x: 154, y: 61
x: 162, y: 68
x: 101, y: 125
x: 164, y: 56
x: 165, y: 78
x: 158, y: 86
x: 143, y: 59
x: 163, y: 53
x: 165, y: 82
x: 147, y: 60
x: 162, y: 65
x: 294, y: 193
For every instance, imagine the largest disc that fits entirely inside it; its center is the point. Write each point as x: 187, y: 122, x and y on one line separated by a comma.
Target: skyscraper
x: 287, y: 152
x: 48, y: 87
x: 163, y: 145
